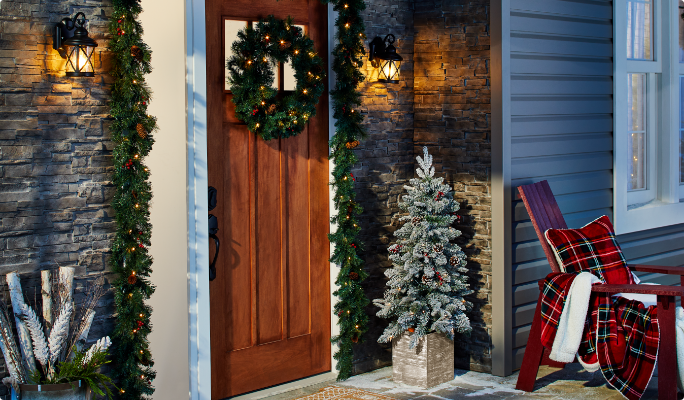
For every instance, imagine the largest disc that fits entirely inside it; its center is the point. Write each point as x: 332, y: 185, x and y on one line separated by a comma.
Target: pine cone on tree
x: 438, y: 248
x: 351, y: 145
x: 353, y: 276
x: 132, y: 279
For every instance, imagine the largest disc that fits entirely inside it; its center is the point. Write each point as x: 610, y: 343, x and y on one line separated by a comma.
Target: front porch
x: 571, y: 382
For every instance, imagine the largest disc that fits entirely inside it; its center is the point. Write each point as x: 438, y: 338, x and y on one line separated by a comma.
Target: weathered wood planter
x: 428, y: 364
x: 61, y: 391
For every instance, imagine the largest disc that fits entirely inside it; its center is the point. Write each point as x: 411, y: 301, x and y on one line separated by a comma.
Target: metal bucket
x: 62, y: 391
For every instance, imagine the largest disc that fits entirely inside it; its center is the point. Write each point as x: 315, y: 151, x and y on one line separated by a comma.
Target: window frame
x: 663, y: 123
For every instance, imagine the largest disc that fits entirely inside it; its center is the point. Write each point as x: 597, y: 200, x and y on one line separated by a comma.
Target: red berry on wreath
x: 140, y: 324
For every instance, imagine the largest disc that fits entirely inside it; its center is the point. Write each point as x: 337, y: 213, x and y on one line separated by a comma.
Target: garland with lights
x: 352, y: 301
x: 131, y: 129
x: 251, y: 78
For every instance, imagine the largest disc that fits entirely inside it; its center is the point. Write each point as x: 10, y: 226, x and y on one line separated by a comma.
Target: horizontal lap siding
x: 561, y: 128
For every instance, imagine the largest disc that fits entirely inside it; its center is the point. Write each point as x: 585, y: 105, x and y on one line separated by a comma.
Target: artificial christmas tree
x: 427, y: 284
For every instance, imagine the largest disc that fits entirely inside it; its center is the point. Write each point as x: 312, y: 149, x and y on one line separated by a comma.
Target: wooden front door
x: 270, y: 301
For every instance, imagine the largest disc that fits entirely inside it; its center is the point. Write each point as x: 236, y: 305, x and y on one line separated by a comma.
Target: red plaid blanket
x: 622, y: 335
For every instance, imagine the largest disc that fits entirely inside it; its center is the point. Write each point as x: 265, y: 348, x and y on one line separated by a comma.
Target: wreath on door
x: 251, y: 77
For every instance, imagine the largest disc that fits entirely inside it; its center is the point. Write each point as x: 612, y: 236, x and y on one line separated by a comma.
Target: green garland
x: 131, y: 128
x: 352, y: 301
x: 251, y: 77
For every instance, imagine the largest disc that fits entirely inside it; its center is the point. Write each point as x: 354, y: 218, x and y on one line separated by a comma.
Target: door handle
x: 212, y: 266
x: 213, y: 230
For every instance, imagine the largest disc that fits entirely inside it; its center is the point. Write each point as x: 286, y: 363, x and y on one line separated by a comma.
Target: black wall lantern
x: 71, y: 40
x: 384, y: 55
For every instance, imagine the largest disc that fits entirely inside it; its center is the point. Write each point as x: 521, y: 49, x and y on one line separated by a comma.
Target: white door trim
x: 199, y: 346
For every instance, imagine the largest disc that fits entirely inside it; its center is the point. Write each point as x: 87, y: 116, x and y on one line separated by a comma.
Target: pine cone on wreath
x: 351, y: 145
x: 141, y: 131
x: 438, y: 248
x: 132, y: 279
x: 454, y: 261
x: 353, y: 276
x: 417, y: 220
x: 137, y: 53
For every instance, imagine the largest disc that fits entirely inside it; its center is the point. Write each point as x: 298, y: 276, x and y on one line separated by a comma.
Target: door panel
x: 270, y: 301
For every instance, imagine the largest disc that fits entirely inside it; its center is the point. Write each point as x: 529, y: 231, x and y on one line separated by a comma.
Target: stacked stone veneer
x: 55, y: 153
x: 443, y: 102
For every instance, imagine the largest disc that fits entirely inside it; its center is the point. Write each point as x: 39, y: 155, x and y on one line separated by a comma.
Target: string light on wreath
x: 266, y: 114
x: 132, y: 128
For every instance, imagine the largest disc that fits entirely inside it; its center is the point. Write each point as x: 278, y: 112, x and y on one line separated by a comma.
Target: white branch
x: 46, y: 291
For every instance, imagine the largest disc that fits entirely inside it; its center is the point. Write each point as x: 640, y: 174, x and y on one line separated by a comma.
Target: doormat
x: 340, y: 393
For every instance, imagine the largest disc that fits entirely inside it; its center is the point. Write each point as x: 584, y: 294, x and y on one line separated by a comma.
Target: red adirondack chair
x: 545, y: 214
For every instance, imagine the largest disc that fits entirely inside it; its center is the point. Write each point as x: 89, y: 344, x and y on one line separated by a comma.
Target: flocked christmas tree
x: 427, y: 282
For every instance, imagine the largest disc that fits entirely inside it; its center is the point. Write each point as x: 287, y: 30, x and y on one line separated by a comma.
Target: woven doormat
x: 339, y: 393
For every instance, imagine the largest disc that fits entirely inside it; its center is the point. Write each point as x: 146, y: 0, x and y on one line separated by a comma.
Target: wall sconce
x: 71, y: 37
x: 385, y: 57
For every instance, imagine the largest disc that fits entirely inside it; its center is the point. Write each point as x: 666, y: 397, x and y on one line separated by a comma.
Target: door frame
x: 199, y: 343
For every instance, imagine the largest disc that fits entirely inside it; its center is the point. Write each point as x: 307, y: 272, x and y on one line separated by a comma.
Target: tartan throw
x: 620, y: 334
x: 592, y: 247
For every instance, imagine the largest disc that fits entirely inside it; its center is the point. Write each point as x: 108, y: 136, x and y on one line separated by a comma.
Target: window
x: 649, y: 114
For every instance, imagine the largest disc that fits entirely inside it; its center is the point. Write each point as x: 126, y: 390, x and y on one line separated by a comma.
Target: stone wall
x: 386, y: 162
x: 452, y: 118
x: 443, y: 102
x: 55, y: 153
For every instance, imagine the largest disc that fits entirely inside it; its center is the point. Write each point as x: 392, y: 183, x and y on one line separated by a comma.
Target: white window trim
x: 666, y: 208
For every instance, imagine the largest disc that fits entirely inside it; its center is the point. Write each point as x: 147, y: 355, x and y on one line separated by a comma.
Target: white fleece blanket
x: 571, y: 324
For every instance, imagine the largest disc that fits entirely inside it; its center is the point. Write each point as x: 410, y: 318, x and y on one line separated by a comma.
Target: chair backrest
x: 545, y: 214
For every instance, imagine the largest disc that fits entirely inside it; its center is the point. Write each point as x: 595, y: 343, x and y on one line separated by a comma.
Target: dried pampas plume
x: 40, y: 346
x: 60, y: 330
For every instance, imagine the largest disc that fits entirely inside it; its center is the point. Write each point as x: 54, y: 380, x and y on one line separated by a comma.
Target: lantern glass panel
x: 389, y: 72
x: 80, y: 62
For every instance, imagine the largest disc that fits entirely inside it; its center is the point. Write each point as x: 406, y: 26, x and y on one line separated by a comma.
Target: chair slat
x: 544, y: 213
x: 552, y: 206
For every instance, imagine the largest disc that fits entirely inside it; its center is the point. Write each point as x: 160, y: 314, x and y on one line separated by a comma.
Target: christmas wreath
x: 251, y: 78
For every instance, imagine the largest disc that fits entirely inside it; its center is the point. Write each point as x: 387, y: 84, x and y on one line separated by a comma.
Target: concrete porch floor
x: 571, y: 382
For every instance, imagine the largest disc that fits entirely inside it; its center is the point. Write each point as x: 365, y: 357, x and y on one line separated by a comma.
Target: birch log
x: 22, y: 330
x: 10, y: 350
x: 46, y: 291
x: 66, y: 283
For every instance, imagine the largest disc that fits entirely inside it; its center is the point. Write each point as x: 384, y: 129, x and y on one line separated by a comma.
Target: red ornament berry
x: 141, y: 245
x: 144, y: 103
x: 140, y: 324
x: 119, y: 21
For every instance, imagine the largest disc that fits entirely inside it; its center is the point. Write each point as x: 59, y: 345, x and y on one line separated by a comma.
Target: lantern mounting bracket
x: 65, y: 29
x: 383, y: 55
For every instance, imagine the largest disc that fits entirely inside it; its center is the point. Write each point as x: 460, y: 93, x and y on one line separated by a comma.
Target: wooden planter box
x: 428, y: 364
x: 62, y: 391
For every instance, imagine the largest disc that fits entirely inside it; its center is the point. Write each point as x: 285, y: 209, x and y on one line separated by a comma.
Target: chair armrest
x: 658, y: 269
x: 640, y: 289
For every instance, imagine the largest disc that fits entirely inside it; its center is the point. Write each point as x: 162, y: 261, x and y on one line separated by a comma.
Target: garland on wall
x: 131, y: 131
x: 352, y: 301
